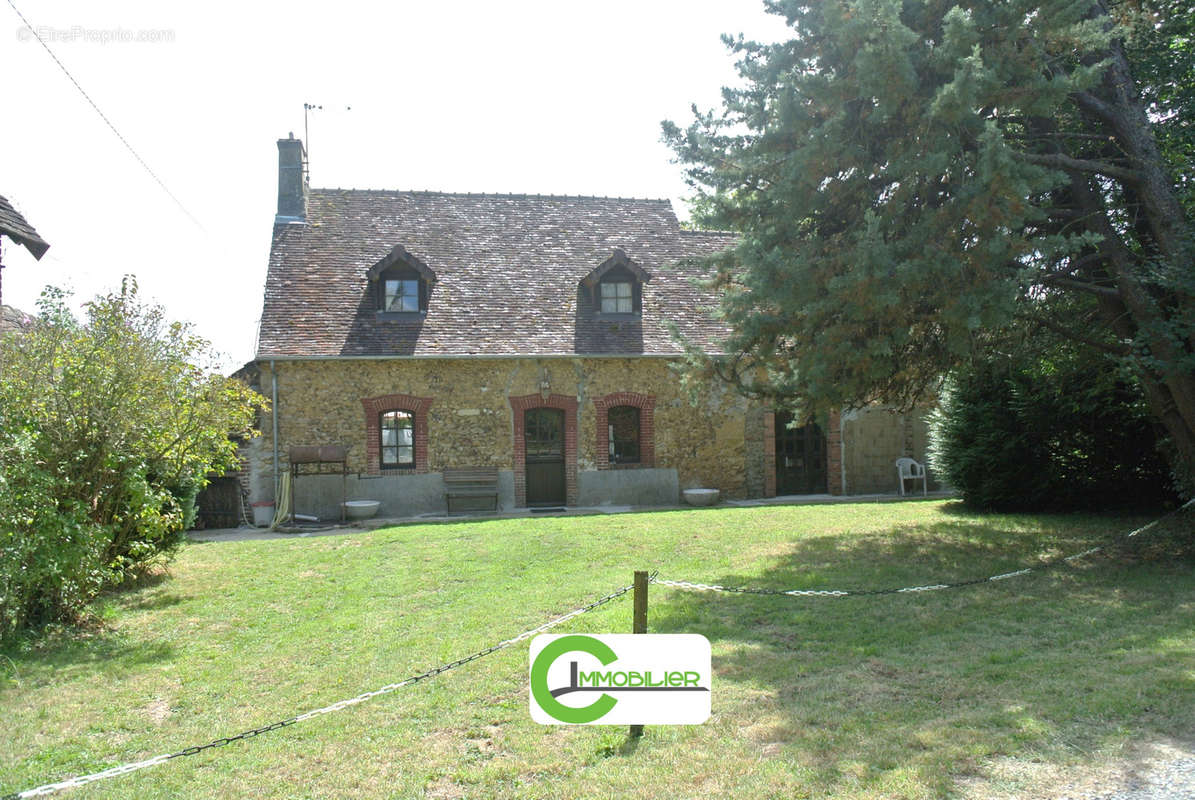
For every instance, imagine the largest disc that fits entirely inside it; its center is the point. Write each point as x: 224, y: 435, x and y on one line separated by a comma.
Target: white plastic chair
x: 908, y: 469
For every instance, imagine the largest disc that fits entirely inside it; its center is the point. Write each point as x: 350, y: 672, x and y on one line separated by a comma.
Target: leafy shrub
x: 50, y: 552
x: 108, y: 429
x: 1058, y: 431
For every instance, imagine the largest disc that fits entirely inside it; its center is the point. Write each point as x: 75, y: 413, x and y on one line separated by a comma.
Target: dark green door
x: 800, y: 458
x: 543, y: 432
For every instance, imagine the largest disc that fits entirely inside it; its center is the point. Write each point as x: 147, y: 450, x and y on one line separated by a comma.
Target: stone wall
x: 470, y: 422
x: 625, y: 487
x: 405, y: 495
x: 761, y: 449
x: 872, y: 441
x: 465, y: 418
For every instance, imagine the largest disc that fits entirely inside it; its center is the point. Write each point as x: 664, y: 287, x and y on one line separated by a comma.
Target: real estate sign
x: 620, y: 679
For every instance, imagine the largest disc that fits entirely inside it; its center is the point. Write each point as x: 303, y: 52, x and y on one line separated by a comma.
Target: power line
x: 104, y: 117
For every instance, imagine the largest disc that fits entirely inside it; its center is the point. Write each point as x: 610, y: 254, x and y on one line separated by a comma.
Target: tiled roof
x: 13, y: 225
x: 508, y: 276
x: 14, y: 319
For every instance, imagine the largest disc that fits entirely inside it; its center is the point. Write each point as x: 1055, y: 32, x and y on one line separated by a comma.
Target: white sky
x: 515, y: 96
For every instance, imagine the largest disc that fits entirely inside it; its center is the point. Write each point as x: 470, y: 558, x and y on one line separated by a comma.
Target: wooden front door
x: 800, y: 458
x: 543, y: 433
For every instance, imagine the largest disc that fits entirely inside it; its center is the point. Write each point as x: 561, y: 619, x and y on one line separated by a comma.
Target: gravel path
x: 1159, y: 770
x: 1168, y: 775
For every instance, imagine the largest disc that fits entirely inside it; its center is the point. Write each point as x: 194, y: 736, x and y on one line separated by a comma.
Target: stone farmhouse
x: 422, y: 331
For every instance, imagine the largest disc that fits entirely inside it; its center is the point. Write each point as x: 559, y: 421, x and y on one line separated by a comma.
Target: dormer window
x: 617, y: 297
x: 403, y: 285
x: 616, y: 285
x: 401, y: 294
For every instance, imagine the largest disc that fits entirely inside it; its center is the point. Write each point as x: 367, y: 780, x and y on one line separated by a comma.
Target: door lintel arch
x: 519, y: 406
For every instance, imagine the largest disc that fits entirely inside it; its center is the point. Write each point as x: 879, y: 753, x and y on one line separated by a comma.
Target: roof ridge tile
x: 698, y: 232
x: 508, y: 195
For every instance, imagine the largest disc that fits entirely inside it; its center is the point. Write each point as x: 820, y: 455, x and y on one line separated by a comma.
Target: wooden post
x: 639, y: 623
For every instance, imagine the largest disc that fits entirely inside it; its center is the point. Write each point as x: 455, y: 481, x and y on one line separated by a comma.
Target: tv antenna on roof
x: 307, y: 136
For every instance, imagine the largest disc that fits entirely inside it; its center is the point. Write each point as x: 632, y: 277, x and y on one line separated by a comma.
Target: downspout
x: 274, y: 409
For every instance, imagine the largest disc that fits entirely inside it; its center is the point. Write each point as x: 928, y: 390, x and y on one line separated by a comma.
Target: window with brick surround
x: 397, y: 443
x: 623, y: 429
x: 396, y: 452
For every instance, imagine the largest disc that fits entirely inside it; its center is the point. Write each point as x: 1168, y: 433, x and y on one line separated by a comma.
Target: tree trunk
x: 1145, y: 310
x: 1182, y: 437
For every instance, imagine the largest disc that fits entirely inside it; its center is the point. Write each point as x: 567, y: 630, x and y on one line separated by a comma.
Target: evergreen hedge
x: 1064, y: 430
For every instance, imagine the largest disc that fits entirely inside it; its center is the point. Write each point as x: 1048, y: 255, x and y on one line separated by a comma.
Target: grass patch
x: 908, y: 696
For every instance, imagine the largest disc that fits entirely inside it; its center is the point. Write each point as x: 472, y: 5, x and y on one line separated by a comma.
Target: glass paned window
x: 624, y: 435
x: 398, y: 439
x: 616, y: 297
x: 543, y: 433
x: 401, y: 295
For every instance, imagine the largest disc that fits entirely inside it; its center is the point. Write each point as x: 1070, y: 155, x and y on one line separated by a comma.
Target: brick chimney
x: 292, y: 180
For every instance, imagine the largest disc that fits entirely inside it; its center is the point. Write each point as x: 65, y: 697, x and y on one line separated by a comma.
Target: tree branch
x: 1076, y: 263
x: 1059, y: 279
x: 1116, y: 350
x: 1097, y: 107
x: 1070, y: 164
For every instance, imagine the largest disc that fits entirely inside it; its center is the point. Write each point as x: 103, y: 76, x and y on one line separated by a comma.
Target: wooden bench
x: 472, y: 483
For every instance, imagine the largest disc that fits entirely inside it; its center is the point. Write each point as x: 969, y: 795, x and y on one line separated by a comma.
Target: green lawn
x: 898, y: 696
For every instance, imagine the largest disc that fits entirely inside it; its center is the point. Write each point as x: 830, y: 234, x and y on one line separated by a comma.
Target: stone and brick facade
x: 470, y: 413
x: 466, y: 312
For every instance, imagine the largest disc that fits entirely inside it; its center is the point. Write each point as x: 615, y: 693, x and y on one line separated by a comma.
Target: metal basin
x: 361, y: 509
x: 702, y: 497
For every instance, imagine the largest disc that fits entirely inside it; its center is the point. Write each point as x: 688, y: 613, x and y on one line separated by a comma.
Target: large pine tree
x: 915, y: 180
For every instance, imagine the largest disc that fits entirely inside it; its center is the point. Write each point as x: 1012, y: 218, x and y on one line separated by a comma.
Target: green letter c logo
x: 539, y: 679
